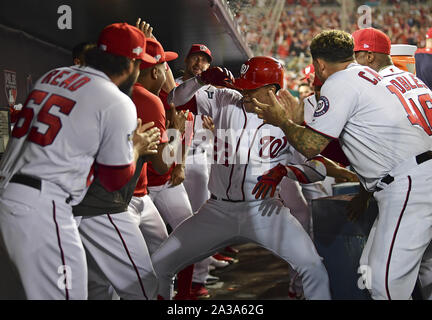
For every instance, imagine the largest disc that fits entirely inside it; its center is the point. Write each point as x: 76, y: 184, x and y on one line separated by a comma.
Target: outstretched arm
x: 311, y: 171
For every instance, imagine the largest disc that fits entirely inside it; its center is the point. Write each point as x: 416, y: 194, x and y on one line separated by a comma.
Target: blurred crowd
x: 405, y: 22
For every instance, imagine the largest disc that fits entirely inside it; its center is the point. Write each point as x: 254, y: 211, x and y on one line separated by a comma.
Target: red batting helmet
x: 258, y: 72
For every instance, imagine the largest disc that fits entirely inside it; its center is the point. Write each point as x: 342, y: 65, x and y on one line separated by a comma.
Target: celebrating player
x: 73, y: 117
x: 373, y: 110
x: 246, y: 148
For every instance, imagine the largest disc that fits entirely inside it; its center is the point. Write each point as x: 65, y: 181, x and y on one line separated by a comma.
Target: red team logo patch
x: 322, y: 107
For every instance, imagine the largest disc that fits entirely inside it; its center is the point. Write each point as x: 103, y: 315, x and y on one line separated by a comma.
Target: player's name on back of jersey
x: 403, y: 83
x: 66, y: 79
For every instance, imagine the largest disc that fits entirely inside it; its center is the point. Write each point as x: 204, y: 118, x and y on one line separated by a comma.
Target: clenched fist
x: 217, y: 76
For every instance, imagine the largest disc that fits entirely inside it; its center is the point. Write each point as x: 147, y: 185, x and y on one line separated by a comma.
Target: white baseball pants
x: 220, y: 223
x: 398, y: 242
x: 174, y: 207
x: 41, y: 237
x: 117, y: 249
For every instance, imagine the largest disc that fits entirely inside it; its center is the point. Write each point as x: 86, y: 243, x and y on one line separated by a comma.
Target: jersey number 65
x: 25, y: 117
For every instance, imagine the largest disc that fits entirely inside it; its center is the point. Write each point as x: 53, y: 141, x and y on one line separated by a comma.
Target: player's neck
x: 336, y: 67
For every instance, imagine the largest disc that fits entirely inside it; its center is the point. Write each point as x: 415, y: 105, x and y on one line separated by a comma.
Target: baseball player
x: 54, y: 143
x: 381, y: 122
x: 246, y: 149
x: 197, y: 169
x: 109, y: 269
x: 166, y: 188
x: 197, y: 61
x: 372, y: 49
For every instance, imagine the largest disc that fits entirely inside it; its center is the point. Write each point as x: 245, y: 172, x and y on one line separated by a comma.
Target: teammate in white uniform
x: 372, y: 48
x: 61, y: 131
x: 233, y: 214
x: 381, y: 121
x: 197, y: 168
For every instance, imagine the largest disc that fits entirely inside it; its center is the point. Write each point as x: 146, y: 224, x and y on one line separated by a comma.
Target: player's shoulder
x: 142, y: 96
x: 228, y: 93
x: 350, y: 78
x: 391, y: 70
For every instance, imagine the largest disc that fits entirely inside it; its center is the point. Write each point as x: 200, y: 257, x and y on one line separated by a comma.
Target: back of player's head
x: 79, y: 49
x: 371, y: 39
x: 112, y: 65
x: 333, y: 46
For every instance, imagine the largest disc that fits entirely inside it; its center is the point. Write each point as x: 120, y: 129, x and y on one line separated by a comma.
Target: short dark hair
x: 110, y: 64
x: 333, y: 46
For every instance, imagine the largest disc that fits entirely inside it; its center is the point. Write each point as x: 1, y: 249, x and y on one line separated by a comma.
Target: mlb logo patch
x: 322, y: 107
x: 137, y: 50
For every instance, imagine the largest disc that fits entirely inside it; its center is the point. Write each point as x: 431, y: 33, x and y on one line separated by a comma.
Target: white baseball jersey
x: 380, y: 129
x: 244, y: 146
x: 72, y: 117
x: 310, y: 104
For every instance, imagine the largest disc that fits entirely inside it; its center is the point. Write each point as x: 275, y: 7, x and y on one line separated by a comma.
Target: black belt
x: 212, y: 196
x: 423, y: 157
x: 31, y: 182
x: 27, y: 180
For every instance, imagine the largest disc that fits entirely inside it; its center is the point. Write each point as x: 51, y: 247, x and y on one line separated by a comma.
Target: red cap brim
x: 170, y: 55
x: 145, y: 57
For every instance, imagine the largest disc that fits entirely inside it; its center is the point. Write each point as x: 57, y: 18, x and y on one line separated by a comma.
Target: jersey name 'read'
x: 381, y: 118
x: 244, y: 147
x: 72, y: 117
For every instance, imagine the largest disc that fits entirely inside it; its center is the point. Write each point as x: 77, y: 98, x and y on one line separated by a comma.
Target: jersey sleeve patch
x: 322, y: 106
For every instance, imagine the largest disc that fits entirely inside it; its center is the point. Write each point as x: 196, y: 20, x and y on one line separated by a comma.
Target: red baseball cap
x: 200, y: 48
x: 371, y: 39
x: 429, y: 34
x: 155, y: 50
x: 307, y: 71
x: 122, y: 39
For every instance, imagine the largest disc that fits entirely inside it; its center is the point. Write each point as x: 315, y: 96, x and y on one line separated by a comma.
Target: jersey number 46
x: 416, y: 118
x: 25, y: 117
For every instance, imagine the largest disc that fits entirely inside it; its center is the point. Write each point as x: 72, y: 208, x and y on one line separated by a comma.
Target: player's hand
x: 273, y: 113
x: 177, y: 119
x: 177, y: 175
x: 145, y: 28
x: 217, y: 76
x: 269, y: 181
x: 294, y: 109
x: 146, y: 139
x: 208, y: 123
x: 346, y: 176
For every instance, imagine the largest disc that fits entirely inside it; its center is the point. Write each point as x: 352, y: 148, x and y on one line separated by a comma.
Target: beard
x: 126, y: 86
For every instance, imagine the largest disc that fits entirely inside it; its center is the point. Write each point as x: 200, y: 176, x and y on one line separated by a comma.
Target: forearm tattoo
x: 304, y: 140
